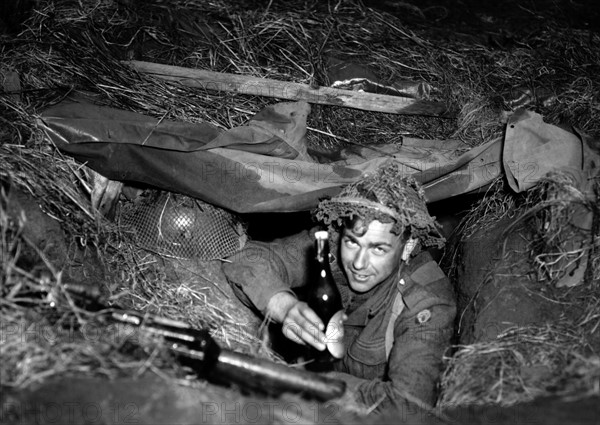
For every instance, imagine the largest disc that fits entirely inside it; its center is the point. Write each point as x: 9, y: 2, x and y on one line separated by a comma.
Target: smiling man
x: 369, y: 254
x: 399, y: 305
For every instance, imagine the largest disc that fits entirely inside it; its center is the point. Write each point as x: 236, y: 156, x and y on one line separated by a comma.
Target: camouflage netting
x: 385, y: 196
x: 179, y: 226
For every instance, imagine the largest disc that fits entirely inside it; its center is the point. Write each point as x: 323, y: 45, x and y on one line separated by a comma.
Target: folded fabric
x: 259, y: 167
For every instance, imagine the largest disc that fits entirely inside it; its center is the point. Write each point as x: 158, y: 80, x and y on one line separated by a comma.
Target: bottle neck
x: 322, y: 251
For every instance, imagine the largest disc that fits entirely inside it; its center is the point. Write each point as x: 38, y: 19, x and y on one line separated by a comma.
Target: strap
x: 397, y: 308
x: 422, y: 274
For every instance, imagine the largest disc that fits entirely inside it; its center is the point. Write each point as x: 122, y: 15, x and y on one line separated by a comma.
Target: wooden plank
x: 243, y: 84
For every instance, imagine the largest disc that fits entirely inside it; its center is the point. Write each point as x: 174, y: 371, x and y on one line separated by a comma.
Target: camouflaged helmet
x: 386, y: 196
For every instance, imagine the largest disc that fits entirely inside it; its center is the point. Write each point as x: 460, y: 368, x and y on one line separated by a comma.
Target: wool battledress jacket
x: 417, y: 337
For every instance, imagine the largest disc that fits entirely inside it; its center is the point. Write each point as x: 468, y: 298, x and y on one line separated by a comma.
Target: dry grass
x: 38, y: 340
x: 520, y: 365
x: 81, y: 47
x: 563, y: 241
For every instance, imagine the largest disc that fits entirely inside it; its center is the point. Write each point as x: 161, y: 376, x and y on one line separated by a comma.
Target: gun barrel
x: 276, y: 378
x: 220, y: 364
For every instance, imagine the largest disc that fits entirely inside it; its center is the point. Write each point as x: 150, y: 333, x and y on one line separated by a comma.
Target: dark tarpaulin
x: 259, y: 167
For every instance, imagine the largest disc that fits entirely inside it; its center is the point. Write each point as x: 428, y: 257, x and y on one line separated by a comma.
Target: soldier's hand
x: 300, y: 323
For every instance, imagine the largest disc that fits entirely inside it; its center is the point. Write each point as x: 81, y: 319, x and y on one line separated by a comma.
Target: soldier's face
x: 368, y: 258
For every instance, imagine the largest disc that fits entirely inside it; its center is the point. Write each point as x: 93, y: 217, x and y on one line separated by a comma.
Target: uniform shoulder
x: 428, y: 281
x: 423, y: 269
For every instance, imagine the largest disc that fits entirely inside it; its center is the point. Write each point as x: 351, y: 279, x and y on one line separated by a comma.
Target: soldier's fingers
x: 293, y: 331
x: 311, y: 335
x: 310, y: 315
x: 302, y: 323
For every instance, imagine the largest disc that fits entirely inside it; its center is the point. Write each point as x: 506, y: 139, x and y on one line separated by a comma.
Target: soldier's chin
x: 360, y: 286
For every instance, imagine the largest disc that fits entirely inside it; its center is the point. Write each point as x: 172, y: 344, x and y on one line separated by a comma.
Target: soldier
x: 399, y: 305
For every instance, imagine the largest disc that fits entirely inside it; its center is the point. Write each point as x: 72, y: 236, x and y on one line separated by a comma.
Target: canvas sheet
x: 263, y: 166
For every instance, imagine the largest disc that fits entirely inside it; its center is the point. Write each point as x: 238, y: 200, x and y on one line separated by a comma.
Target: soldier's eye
x: 350, y: 243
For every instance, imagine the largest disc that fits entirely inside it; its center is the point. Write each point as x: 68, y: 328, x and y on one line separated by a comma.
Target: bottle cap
x: 321, y: 234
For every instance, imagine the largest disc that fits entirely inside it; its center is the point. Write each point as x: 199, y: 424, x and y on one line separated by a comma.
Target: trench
x: 493, y: 294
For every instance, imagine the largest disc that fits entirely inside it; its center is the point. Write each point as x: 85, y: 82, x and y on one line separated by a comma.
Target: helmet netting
x: 386, y: 196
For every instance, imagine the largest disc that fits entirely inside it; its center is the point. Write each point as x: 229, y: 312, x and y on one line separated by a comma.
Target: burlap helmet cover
x: 386, y: 196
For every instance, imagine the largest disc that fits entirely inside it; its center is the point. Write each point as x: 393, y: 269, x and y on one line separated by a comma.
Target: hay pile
x: 480, y: 72
x: 522, y: 364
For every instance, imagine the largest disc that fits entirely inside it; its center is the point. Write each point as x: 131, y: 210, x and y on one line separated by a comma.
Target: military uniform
x: 383, y: 361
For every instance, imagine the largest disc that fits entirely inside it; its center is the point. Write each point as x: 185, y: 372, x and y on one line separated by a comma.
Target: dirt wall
x: 496, y: 286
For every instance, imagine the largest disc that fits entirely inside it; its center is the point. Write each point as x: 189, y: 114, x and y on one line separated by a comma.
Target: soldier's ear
x: 409, y: 247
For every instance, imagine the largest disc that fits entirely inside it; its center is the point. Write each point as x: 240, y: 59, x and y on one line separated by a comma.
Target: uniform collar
x: 378, y: 298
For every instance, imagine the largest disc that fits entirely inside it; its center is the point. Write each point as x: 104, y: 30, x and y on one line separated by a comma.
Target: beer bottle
x: 325, y: 299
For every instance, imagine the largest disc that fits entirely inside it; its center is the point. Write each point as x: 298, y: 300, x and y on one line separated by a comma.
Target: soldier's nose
x: 360, y: 260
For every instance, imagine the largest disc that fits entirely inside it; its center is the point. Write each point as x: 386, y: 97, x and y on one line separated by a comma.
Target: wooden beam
x: 243, y: 84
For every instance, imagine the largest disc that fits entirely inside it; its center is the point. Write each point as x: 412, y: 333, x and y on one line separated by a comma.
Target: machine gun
x: 198, y: 349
